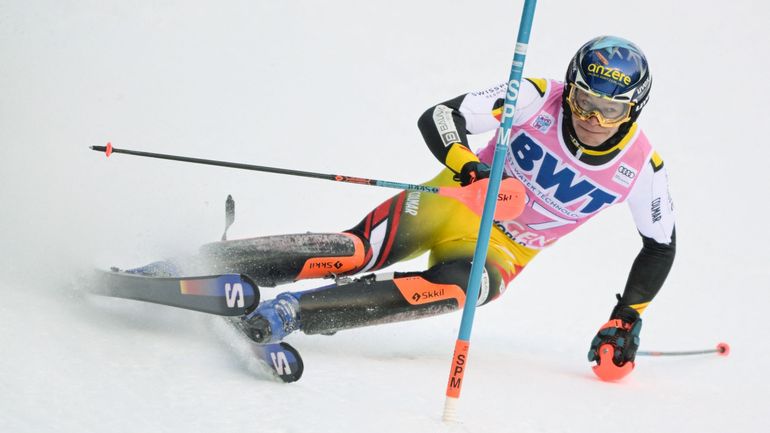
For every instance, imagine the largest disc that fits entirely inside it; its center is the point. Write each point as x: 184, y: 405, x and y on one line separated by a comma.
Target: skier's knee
x: 457, y: 273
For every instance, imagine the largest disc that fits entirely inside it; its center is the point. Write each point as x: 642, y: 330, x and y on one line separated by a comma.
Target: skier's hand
x: 471, y: 172
x: 614, y: 346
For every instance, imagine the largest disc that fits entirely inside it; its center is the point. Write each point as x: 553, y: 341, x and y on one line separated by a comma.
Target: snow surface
x: 336, y: 87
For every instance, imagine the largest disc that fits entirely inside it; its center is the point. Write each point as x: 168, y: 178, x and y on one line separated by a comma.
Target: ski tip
x: 723, y: 349
x: 255, y: 288
x: 282, y: 359
x: 295, y: 358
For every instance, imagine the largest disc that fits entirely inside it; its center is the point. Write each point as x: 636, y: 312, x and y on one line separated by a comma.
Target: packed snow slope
x: 336, y: 86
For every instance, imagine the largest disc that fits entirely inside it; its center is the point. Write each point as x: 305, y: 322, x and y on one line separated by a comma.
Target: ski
x: 283, y: 360
x: 227, y: 295
x: 224, y: 295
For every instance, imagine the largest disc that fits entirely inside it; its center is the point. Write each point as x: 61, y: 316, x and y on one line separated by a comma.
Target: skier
x: 577, y: 149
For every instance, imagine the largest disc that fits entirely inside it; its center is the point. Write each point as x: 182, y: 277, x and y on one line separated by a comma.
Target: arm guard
x: 649, y: 272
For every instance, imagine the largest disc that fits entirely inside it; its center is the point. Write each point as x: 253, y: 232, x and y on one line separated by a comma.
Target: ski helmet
x: 612, y: 69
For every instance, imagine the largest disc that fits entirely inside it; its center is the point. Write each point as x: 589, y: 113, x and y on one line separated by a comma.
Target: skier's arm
x: 446, y: 126
x: 444, y: 129
x: 652, y: 210
x: 649, y: 271
x: 653, y: 213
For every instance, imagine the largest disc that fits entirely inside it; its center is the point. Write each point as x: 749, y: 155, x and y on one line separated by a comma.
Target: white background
x: 337, y: 87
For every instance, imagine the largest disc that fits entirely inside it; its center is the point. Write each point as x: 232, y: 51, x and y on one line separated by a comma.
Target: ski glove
x: 471, y: 172
x: 614, y: 346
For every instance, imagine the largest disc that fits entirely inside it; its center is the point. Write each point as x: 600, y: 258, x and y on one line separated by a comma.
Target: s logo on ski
x: 234, y: 295
x: 280, y: 363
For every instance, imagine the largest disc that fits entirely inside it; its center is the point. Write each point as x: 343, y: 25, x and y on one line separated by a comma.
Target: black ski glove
x: 616, y: 341
x: 471, y: 172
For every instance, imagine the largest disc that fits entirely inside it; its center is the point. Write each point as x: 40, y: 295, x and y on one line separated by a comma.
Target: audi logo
x: 627, y: 172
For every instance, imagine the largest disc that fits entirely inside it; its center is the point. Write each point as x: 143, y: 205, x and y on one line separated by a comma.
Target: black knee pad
x: 458, y: 272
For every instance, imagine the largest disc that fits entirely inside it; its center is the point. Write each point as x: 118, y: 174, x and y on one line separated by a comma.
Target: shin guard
x: 382, y: 298
x: 273, y: 260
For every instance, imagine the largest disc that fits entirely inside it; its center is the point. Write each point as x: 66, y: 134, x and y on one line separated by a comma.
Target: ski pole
x: 510, y: 196
x: 722, y: 349
x: 460, y: 356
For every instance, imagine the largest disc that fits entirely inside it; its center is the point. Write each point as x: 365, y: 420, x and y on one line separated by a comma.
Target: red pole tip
x: 108, y: 152
x: 723, y: 349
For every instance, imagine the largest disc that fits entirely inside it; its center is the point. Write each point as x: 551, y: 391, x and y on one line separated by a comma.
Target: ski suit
x: 566, y: 185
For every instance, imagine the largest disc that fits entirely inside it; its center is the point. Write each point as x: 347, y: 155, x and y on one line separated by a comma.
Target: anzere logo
x: 609, y: 73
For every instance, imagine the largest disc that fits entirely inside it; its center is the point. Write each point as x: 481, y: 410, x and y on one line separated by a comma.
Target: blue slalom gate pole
x: 460, y: 357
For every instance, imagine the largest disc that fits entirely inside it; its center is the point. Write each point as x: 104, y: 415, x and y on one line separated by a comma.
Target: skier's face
x: 586, y: 104
x: 590, y: 132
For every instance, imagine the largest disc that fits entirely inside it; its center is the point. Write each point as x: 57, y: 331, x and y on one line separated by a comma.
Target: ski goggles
x: 608, y: 112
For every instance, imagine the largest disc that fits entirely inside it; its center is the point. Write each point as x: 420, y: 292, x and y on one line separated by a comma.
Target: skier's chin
x: 592, y: 135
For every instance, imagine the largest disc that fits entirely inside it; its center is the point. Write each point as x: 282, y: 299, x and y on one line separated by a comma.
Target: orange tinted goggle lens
x: 608, y: 112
